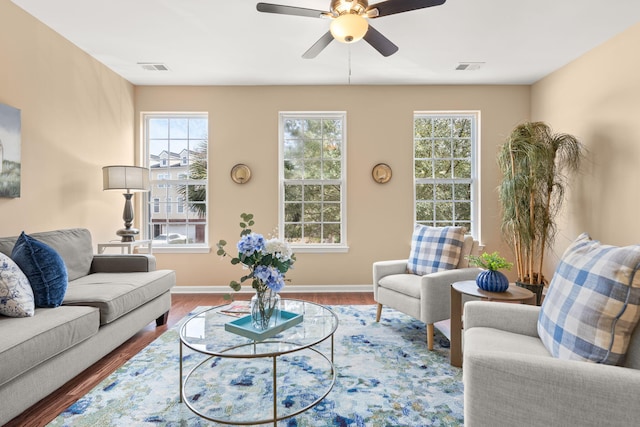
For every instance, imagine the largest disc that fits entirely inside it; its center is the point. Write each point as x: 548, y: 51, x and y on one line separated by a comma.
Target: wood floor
x: 50, y: 407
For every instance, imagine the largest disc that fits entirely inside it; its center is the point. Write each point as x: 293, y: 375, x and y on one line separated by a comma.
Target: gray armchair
x: 426, y: 298
x: 510, y: 379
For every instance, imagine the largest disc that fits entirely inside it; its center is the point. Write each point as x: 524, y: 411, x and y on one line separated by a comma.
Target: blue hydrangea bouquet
x: 267, y: 260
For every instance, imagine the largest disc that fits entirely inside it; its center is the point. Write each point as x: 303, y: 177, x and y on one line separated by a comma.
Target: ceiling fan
x: 349, y: 21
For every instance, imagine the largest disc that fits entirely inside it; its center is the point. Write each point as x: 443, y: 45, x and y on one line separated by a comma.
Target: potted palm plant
x: 534, y: 163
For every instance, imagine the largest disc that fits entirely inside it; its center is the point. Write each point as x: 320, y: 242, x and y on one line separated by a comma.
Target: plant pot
x: 492, y: 281
x: 536, y: 288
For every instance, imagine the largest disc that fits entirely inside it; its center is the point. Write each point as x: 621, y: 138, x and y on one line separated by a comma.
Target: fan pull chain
x: 349, y: 56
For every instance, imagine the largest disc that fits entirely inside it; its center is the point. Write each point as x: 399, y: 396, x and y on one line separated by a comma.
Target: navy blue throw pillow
x: 44, y: 268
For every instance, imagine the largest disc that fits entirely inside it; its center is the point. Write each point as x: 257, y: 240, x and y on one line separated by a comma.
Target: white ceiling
x: 214, y: 42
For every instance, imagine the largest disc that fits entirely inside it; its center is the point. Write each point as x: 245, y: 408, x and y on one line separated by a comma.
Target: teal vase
x: 492, y: 281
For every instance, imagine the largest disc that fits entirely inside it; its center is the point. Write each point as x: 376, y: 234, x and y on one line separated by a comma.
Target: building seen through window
x: 176, y: 148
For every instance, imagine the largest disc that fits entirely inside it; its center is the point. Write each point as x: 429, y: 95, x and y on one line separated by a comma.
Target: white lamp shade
x: 349, y: 28
x: 130, y: 178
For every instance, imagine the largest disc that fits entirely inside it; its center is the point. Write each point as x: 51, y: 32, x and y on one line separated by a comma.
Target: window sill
x: 178, y: 250
x: 320, y: 249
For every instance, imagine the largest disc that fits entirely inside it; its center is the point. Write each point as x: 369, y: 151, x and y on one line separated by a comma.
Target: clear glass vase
x: 265, y: 308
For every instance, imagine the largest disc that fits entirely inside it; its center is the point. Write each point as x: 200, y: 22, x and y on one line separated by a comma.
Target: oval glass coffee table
x: 240, y: 381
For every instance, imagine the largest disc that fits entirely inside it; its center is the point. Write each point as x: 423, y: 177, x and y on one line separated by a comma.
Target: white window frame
x: 146, y: 208
x: 315, y: 247
x: 475, y: 150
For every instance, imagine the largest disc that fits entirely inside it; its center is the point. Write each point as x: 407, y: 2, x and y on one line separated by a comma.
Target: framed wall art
x: 10, y: 140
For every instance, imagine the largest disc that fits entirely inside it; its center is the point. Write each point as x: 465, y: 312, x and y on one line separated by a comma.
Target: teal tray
x: 243, y: 326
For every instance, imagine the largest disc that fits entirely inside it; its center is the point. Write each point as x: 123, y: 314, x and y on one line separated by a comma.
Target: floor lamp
x: 132, y: 179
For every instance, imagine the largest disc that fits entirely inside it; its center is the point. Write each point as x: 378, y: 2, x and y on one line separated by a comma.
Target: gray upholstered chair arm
x: 123, y: 263
x: 435, y: 292
x: 556, y: 392
x: 387, y: 268
x: 516, y: 318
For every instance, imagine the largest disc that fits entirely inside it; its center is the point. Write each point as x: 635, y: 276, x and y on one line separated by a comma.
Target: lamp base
x: 128, y: 234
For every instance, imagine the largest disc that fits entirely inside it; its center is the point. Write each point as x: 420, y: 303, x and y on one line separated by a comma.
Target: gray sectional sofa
x: 109, y: 298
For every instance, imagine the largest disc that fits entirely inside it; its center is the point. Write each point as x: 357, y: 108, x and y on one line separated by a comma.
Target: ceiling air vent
x: 150, y: 66
x: 469, y: 66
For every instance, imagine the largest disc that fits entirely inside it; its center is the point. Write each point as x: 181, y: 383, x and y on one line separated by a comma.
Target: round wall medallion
x: 240, y: 173
x: 381, y: 173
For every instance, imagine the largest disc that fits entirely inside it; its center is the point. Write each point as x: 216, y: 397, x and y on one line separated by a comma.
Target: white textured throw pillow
x: 16, y: 295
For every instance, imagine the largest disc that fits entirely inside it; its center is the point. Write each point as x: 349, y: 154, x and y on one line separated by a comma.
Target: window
x: 445, y: 169
x: 312, y: 180
x: 175, y: 147
x: 163, y: 177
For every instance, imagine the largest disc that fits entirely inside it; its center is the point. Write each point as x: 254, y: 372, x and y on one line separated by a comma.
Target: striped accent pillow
x: 435, y: 249
x: 593, y: 303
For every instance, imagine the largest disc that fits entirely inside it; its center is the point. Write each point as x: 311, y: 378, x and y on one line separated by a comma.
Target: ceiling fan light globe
x: 349, y: 28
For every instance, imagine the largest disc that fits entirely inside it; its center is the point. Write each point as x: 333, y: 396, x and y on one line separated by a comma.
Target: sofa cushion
x: 7, y: 244
x: 469, y: 247
x: 406, y: 284
x: 73, y: 245
x: 29, y: 341
x: 435, y: 249
x: 44, y: 268
x: 116, y: 294
x: 593, y: 302
x: 483, y: 339
x: 16, y: 295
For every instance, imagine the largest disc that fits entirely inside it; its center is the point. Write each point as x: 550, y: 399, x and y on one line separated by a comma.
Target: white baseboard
x: 288, y: 289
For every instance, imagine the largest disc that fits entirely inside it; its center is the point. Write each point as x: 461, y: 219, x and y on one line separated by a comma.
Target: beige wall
x: 244, y: 129
x: 77, y: 116
x: 597, y: 99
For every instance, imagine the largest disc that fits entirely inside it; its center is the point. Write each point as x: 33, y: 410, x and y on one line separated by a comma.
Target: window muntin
x: 445, y: 169
x: 176, y: 147
x: 312, y: 171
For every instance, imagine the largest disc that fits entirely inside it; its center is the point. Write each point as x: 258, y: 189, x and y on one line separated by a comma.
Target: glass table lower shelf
x: 235, y: 380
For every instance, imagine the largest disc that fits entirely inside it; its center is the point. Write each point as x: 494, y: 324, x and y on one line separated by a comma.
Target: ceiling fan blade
x: 318, y: 46
x: 391, y: 7
x: 289, y: 10
x: 380, y: 42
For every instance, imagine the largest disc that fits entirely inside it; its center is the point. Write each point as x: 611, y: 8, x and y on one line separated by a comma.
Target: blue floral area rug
x: 385, y: 377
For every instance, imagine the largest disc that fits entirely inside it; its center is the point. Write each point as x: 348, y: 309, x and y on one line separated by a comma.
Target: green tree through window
x: 444, y: 169
x: 312, y: 174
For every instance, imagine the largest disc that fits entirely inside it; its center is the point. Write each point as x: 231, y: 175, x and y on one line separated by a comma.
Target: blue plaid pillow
x: 593, y: 303
x: 435, y: 249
